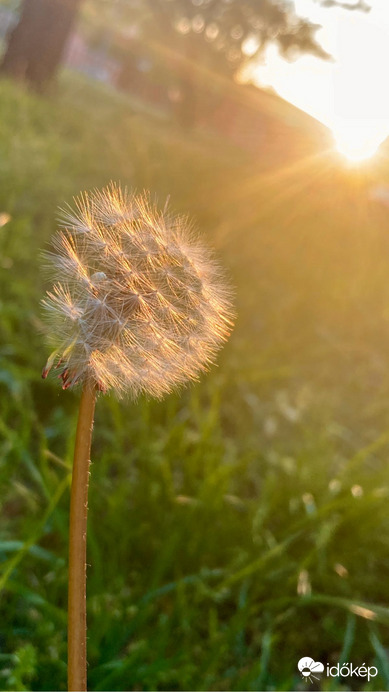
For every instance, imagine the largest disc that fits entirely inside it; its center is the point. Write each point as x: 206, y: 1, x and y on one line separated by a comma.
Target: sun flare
x: 348, y: 93
x: 357, y: 144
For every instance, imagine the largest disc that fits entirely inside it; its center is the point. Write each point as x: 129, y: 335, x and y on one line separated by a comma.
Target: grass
x: 243, y: 523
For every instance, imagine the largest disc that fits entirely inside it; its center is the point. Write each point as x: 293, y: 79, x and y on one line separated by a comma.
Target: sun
x: 357, y: 143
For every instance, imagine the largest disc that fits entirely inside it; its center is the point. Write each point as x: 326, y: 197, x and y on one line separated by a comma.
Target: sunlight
x: 347, y: 94
x: 357, y: 142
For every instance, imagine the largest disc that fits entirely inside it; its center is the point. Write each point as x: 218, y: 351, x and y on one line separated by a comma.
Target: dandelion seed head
x: 138, y: 304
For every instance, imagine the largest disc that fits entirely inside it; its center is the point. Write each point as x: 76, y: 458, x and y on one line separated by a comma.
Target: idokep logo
x: 308, y: 667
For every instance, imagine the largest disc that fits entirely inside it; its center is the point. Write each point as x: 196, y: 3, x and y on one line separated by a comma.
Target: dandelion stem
x: 77, y: 680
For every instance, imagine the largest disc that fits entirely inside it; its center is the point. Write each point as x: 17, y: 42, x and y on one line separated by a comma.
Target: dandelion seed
x: 131, y: 283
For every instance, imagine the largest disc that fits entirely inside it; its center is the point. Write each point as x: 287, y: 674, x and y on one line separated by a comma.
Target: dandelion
x: 138, y: 305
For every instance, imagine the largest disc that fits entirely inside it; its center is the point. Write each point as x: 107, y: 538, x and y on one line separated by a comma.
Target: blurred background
x: 243, y: 523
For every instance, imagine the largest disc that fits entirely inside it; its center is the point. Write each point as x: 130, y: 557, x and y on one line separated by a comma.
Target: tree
x: 224, y: 27
x: 196, y: 37
x: 217, y: 38
x: 36, y: 44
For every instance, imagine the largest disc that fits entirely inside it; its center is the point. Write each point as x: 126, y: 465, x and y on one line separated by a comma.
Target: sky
x: 349, y: 94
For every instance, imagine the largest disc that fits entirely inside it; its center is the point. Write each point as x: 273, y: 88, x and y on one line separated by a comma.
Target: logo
x: 310, y: 670
x: 308, y: 667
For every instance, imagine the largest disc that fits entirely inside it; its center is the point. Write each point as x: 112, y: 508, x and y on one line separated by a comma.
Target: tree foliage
x: 227, y: 33
x: 198, y: 41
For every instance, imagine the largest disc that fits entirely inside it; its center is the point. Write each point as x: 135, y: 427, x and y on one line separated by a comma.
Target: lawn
x: 240, y: 524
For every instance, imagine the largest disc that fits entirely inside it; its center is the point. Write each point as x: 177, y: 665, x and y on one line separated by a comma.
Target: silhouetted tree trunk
x: 36, y: 44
